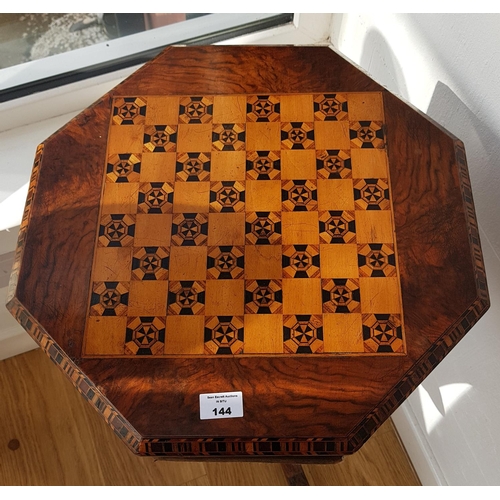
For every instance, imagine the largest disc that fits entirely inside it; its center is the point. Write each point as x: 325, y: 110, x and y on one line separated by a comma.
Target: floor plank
x: 382, y: 461
x: 51, y: 436
x: 63, y: 441
x: 245, y: 474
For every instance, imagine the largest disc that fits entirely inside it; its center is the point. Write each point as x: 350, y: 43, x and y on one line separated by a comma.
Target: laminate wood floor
x: 50, y: 436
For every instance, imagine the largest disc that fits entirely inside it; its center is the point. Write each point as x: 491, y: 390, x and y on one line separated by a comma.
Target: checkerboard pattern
x: 245, y: 225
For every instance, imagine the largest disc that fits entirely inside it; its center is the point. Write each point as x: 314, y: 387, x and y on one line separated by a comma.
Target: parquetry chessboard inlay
x: 246, y: 225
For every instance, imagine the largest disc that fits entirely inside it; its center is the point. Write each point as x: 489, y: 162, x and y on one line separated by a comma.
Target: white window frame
x: 305, y: 29
x: 119, y: 48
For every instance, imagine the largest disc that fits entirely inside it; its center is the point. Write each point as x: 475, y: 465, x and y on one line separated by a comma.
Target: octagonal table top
x: 263, y: 223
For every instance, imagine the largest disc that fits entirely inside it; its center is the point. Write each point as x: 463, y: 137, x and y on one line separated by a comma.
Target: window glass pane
x: 28, y: 37
x: 43, y: 51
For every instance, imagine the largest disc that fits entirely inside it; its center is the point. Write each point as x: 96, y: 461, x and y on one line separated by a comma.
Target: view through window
x: 35, y: 49
x: 28, y: 37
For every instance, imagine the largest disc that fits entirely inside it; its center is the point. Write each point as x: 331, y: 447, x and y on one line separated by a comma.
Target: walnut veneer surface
x: 259, y: 219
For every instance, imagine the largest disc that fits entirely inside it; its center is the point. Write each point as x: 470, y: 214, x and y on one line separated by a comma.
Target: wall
x: 448, y: 65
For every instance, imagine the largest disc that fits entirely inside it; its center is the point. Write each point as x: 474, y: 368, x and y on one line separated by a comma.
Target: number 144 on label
x: 221, y: 405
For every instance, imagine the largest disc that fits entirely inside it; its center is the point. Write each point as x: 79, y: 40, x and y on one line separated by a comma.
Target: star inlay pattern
x: 367, y: 135
x: 263, y: 165
x: 195, y: 110
x: 263, y: 108
x: 263, y: 297
x: 371, y: 194
x: 123, y: 168
x: 341, y: 295
x: 117, y: 230
x: 189, y: 229
x: 337, y: 226
x: 155, y: 198
x: 297, y: 135
x: 150, y: 263
x: 160, y: 138
x: 330, y: 107
x: 382, y: 333
x: 301, y: 261
x: 228, y: 137
x: 263, y: 228
x: 227, y: 196
x: 193, y: 167
x: 186, y: 298
x: 109, y: 298
x: 333, y: 164
x: 299, y: 195
x: 129, y: 111
x: 376, y: 260
x: 145, y: 336
x: 303, y: 334
x: 225, y: 262
x: 224, y: 335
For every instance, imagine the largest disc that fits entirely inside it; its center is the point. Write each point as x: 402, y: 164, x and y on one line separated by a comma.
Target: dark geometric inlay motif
x: 189, y: 229
x: 303, y: 334
x: 383, y: 333
x: 376, y: 260
x: 186, y: 298
x: 223, y: 335
x: 299, y: 196
x: 340, y: 295
x: 192, y: 167
x: 263, y: 297
x: 225, y: 262
x: 228, y: 137
x: 160, y: 138
x: 301, y: 261
x: 27, y: 208
x: 333, y: 164
x: 263, y: 165
x: 263, y: 108
x: 195, y: 110
x: 297, y: 135
x: 129, y: 111
x: 227, y: 196
x: 123, y: 168
x: 116, y: 230
x: 337, y: 226
x: 109, y: 298
x: 371, y: 194
x: 472, y: 223
x: 263, y: 228
x: 367, y: 134
x: 156, y: 198
x: 330, y: 107
x: 150, y: 264
x: 145, y: 336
